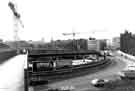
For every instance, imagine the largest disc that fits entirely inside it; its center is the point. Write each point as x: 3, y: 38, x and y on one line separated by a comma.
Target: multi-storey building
x: 96, y: 44
x: 127, y: 42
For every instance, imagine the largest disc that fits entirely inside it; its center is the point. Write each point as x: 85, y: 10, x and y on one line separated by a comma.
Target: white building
x: 94, y: 45
x: 116, y: 42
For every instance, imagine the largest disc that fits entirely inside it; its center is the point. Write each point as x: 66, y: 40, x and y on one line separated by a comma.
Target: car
x: 121, y: 74
x: 131, y: 67
x: 99, y: 82
x: 127, y: 74
x: 110, y: 54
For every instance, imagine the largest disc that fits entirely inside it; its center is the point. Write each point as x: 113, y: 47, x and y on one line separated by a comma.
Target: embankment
x: 6, y: 54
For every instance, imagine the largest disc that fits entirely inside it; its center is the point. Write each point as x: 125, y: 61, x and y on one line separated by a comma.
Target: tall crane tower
x: 16, y: 20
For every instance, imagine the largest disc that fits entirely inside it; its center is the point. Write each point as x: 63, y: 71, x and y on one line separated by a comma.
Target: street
x: 12, y: 75
x: 83, y: 82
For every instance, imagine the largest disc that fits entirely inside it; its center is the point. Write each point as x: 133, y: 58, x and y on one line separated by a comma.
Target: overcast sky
x: 51, y: 18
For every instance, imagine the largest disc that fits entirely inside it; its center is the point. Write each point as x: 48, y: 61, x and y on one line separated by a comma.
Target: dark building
x: 127, y: 42
x: 81, y: 44
x: 103, y: 44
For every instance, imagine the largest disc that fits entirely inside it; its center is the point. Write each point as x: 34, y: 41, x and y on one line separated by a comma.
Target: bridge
x: 43, y: 53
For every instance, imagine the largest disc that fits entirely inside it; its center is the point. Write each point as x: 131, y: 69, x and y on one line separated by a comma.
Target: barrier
x: 68, y: 69
x: 53, y: 75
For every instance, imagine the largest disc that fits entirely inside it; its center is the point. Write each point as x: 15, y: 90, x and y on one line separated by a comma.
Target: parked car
x: 110, y: 54
x: 99, y: 82
x: 121, y: 74
x: 131, y: 67
x: 127, y: 74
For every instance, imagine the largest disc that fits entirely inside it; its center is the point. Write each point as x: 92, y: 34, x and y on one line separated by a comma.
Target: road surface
x: 12, y: 74
x: 83, y: 83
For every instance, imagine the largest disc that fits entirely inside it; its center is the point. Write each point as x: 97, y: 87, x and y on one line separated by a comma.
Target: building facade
x: 93, y: 45
x: 96, y: 44
x: 116, y: 43
x: 127, y: 43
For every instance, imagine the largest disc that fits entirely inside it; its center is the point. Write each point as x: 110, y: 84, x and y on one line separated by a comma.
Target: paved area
x: 12, y: 74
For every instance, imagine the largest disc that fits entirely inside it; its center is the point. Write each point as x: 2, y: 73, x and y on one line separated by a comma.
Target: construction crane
x: 74, y: 44
x: 73, y: 34
x: 76, y: 33
x: 16, y: 20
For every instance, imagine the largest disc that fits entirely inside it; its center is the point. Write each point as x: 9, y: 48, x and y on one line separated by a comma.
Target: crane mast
x: 16, y: 19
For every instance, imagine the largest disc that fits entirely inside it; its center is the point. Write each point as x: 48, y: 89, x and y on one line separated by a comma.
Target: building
x: 103, y: 44
x: 127, y: 42
x: 93, y: 45
x: 116, y: 43
x: 97, y: 44
x: 81, y: 44
x: 18, y: 44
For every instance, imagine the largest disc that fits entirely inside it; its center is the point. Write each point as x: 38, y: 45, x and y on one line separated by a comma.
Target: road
x: 83, y: 83
x: 12, y: 74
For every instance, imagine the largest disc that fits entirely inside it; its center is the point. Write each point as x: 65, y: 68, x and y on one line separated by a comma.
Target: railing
x: 71, y: 68
x: 67, y: 72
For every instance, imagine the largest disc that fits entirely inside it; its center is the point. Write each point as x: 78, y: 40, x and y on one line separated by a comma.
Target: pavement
x: 12, y: 74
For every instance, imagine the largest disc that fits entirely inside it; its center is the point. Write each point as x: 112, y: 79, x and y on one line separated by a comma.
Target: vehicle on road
x: 99, y: 82
x: 128, y: 73
x: 110, y: 54
x: 131, y: 67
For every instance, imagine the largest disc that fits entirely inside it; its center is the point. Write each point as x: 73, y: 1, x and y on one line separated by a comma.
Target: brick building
x: 127, y: 42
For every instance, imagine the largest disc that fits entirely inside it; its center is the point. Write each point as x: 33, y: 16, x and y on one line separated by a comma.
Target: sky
x: 48, y: 19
